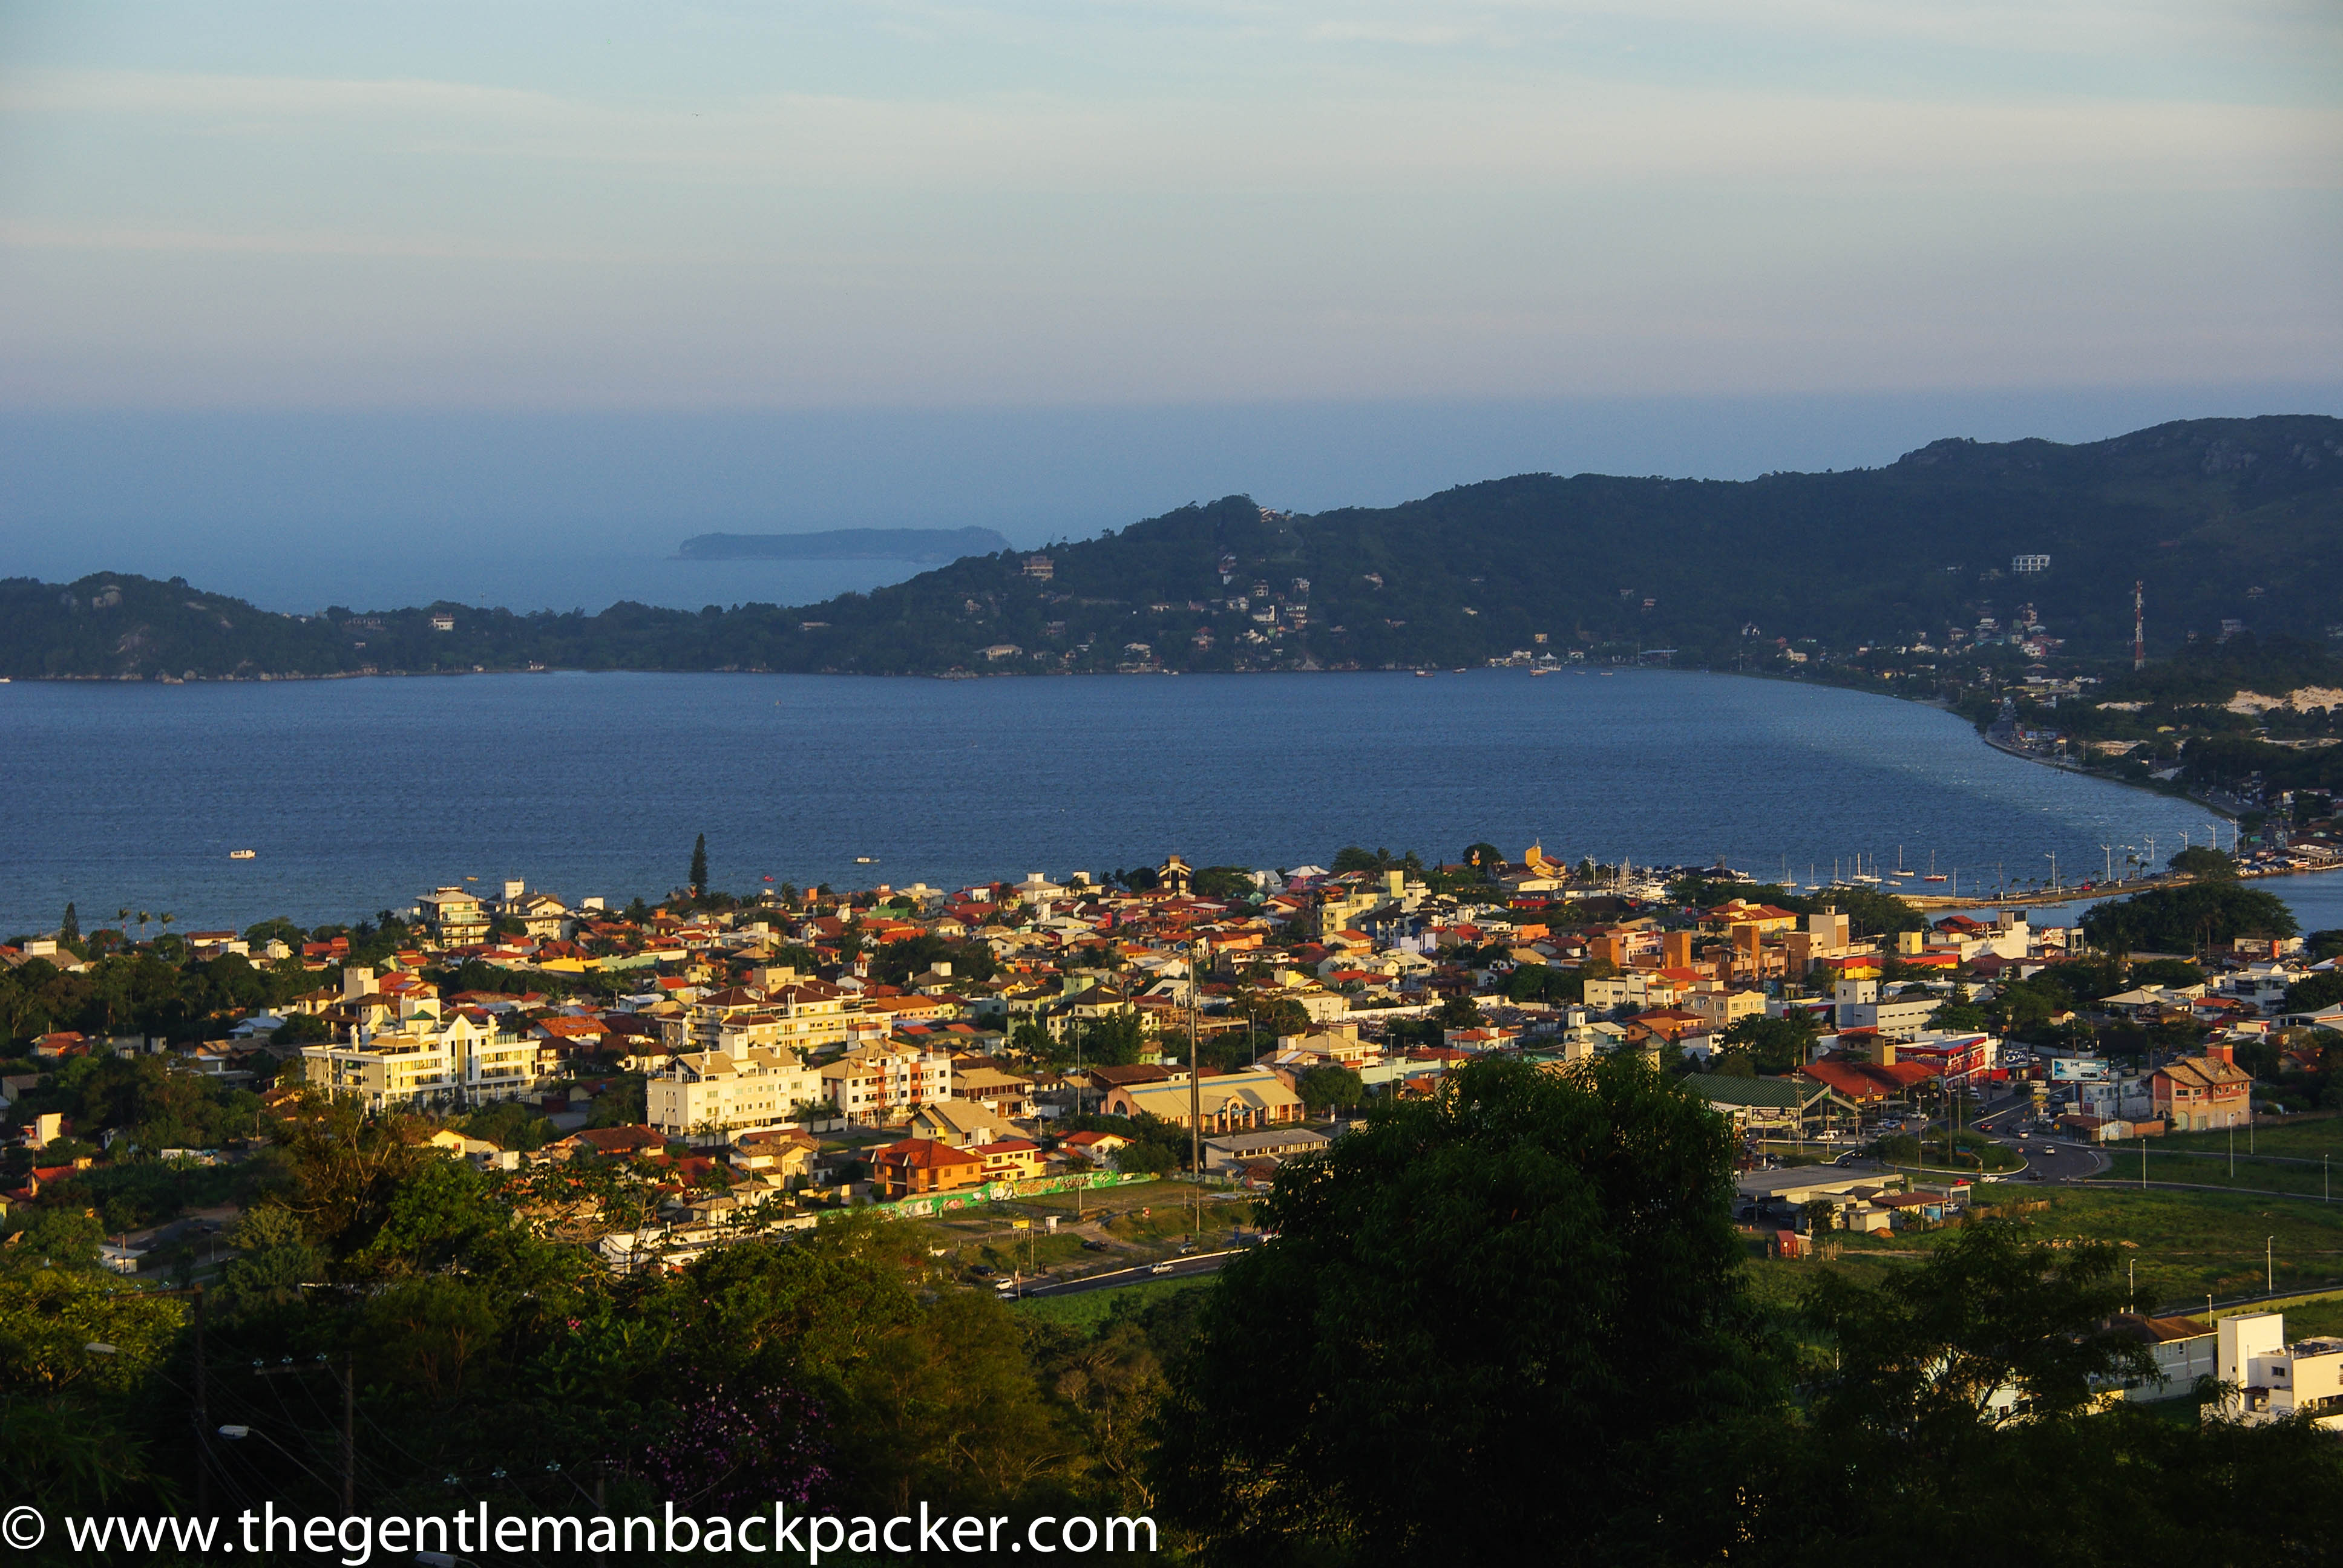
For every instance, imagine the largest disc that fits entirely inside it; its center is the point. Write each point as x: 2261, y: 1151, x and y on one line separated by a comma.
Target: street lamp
x: 2270, y: 1264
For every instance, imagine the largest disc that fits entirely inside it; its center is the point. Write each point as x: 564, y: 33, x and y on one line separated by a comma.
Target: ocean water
x: 358, y: 795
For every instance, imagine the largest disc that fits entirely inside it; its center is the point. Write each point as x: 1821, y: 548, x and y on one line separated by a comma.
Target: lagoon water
x: 358, y: 795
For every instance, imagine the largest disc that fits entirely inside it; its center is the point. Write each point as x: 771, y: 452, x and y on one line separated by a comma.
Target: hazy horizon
x: 376, y: 303
x: 568, y: 510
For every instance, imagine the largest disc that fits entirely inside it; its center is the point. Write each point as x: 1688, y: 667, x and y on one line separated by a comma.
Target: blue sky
x: 264, y: 212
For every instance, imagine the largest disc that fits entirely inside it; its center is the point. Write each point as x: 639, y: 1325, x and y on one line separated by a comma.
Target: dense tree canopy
x: 2186, y: 920
x: 1523, y: 1256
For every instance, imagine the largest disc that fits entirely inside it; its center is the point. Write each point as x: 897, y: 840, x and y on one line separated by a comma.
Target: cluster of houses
x: 784, y: 1018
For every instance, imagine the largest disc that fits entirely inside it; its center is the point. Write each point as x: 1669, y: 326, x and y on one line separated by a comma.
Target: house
x: 487, y: 1156
x: 1094, y: 1147
x: 1010, y: 1160
x: 2201, y: 1093
x: 786, y: 1155
x: 1005, y: 1095
x: 959, y: 1122
x: 1668, y: 1023
x: 1721, y: 1009
x: 455, y: 916
x: 609, y: 1143
x: 917, y: 1165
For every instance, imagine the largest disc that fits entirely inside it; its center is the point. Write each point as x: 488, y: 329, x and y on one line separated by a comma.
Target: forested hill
x: 2224, y: 519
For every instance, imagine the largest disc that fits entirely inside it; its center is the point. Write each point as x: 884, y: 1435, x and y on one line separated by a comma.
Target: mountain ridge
x: 2223, y: 519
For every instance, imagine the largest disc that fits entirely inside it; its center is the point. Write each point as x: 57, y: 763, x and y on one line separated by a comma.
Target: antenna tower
x: 2138, y: 627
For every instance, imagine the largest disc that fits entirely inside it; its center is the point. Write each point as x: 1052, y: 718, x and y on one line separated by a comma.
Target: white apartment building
x: 2267, y: 1380
x: 1860, y: 1006
x: 803, y: 1016
x: 885, y: 1081
x: 455, y: 916
x: 428, y: 1062
x: 727, y: 1090
x: 1632, y: 988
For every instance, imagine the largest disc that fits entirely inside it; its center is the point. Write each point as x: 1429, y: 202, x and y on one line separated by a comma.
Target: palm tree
x: 143, y: 917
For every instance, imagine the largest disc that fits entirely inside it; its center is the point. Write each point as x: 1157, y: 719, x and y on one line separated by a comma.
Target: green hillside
x: 2223, y: 519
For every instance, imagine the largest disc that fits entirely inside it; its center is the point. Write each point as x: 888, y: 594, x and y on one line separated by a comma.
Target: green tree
x: 1330, y: 1088
x: 2166, y: 972
x: 1995, y: 1328
x: 2198, y: 860
x: 699, y: 882
x: 1460, y: 1013
x: 1776, y: 1046
x: 2190, y: 919
x: 69, y: 927
x: 1379, y: 1384
x: 301, y: 1029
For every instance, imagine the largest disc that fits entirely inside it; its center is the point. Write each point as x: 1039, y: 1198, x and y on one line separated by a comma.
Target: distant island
x: 845, y: 545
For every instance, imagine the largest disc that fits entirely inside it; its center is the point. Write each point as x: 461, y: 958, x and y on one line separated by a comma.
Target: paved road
x: 2046, y: 1158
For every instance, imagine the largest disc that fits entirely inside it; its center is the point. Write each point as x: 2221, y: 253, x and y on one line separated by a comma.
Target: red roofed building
x: 1868, y: 1082
x: 620, y: 1142
x: 918, y: 1165
x: 1093, y: 1146
x: 2198, y: 1092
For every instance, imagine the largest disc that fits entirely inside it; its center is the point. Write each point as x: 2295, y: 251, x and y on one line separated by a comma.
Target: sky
x: 370, y: 302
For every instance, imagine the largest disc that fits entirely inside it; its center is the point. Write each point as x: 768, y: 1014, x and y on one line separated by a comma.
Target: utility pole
x: 1195, y: 1087
x: 349, y: 1434
x: 2270, y: 1264
x: 203, y: 1420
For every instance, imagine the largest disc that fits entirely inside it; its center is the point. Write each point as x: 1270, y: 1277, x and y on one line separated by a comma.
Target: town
x: 1089, y: 1097
x: 763, y: 1060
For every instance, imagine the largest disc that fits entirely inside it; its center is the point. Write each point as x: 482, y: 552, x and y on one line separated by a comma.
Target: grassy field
x: 1091, y: 1308
x: 2212, y: 1168
x: 2309, y: 1137
x: 2315, y: 1317
x: 2178, y: 1246
x: 1136, y: 1225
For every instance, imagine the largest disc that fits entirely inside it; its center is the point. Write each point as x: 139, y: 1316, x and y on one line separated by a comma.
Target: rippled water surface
x: 360, y: 794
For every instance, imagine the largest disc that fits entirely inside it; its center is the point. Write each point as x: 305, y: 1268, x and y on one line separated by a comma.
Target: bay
x: 358, y: 795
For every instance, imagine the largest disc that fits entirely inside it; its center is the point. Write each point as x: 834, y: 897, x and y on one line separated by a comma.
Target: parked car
x: 1091, y: 1246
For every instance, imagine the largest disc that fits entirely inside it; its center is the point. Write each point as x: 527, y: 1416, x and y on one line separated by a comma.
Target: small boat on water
x: 1424, y: 674
x: 244, y: 854
x: 1932, y: 876
x: 866, y: 860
